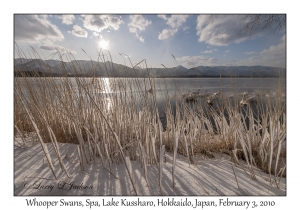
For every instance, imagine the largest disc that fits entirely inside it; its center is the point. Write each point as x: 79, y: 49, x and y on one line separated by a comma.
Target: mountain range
x: 108, y: 69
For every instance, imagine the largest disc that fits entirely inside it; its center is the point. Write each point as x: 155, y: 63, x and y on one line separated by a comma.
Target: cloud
x: 186, y: 28
x: 78, y: 31
x: 210, y: 51
x: 190, y: 61
x: 48, y: 45
x: 45, y: 16
x: 227, y: 51
x: 140, y: 38
x: 137, y: 24
x: 223, y: 30
x: 163, y: 17
x: 249, y: 53
x: 273, y: 56
x: 212, y: 60
x: 33, y: 29
x: 96, y: 34
x: 166, y: 33
x: 67, y: 19
x: 175, y: 22
x: 100, y: 22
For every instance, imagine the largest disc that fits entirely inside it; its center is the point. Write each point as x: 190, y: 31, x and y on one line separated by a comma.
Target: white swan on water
x: 247, y: 99
x: 186, y: 94
x: 204, y: 95
x: 196, y: 93
x: 211, y: 98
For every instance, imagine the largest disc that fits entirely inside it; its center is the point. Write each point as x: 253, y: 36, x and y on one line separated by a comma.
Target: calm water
x: 168, y: 87
x: 178, y: 86
x: 226, y: 85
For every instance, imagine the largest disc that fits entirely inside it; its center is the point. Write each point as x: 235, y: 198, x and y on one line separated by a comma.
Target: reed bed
x: 117, y: 121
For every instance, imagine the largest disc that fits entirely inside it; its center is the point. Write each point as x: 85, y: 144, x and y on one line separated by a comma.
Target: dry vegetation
x: 114, y: 123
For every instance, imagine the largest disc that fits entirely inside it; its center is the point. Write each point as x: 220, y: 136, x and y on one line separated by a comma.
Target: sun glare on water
x: 103, y: 44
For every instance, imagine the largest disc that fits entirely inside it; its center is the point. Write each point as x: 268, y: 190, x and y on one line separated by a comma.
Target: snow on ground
x: 32, y: 176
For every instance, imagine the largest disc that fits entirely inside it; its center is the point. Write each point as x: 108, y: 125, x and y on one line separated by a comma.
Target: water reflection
x: 107, y: 90
x: 135, y: 91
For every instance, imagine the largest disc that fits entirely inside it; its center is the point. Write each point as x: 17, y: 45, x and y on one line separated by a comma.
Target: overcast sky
x: 195, y: 40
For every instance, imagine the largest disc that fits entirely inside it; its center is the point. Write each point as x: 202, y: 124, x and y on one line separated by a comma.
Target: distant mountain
x: 21, y: 60
x: 181, y: 68
x: 109, y: 69
x: 239, y: 71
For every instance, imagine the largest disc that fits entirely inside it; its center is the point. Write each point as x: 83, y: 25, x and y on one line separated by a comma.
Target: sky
x: 193, y: 39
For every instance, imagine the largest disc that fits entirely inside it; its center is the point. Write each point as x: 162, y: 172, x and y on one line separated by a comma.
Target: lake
x: 139, y: 89
x: 180, y: 86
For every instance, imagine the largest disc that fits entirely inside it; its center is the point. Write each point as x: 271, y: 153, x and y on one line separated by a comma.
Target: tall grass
x: 117, y: 121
